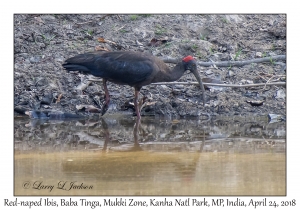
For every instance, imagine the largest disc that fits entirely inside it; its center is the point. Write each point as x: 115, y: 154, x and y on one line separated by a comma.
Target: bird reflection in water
x: 136, y: 127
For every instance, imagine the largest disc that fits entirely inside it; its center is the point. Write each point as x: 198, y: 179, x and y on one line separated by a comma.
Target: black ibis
x: 130, y: 68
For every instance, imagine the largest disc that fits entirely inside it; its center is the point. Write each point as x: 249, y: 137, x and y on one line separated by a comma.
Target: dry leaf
x: 58, y: 98
x: 102, y: 40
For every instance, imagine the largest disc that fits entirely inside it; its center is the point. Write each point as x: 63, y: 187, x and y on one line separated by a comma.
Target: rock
x: 243, y: 81
x: 273, y: 118
x: 59, y: 59
x: 179, y: 86
x: 48, y: 18
x: 234, y: 18
x: 280, y: 132
x: 208, y: 72
x: 280, y: 94
x: 216, y: 103
x: 47, y: 99
x: 258, y: 54
x: 34, y: 59
x: 230, y: 73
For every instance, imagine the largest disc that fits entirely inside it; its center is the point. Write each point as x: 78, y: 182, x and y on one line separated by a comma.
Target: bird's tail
x: 75, y: 67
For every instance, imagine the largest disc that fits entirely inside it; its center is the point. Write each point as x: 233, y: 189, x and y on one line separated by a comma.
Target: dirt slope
x: 43, y: 42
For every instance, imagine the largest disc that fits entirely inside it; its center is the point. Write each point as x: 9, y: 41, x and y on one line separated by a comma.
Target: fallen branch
x: 220, y: 85
x: 209, y: 84
x: 231, y: 63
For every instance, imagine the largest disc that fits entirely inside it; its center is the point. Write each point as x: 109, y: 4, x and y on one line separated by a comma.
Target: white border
x: 154, y: 6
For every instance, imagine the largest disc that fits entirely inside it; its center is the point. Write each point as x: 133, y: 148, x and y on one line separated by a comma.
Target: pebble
x: 35, y: 59
x: 258, y: 54
x: 208, y: 72
x: 230, y: 73
x: 280, y: 94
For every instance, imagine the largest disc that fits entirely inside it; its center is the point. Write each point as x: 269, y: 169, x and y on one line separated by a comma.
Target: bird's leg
x: 136, y: 131
x: 107, y: 136
x: 136, y: 103
x: 107, y: 98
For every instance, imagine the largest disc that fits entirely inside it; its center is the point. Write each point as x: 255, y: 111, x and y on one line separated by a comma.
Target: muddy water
x: 119, y: 156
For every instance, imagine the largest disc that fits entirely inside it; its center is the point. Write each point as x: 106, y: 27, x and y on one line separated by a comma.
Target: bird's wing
x: 129, y: 71
x: 119, y: 67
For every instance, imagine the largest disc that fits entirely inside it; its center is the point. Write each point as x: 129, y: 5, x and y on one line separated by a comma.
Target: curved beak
x: 195, y: 72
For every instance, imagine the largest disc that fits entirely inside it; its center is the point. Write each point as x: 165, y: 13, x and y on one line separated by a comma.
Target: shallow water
x: 114, y: 156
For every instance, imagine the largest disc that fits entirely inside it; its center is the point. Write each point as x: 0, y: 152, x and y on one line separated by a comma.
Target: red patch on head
x: 188, y: 58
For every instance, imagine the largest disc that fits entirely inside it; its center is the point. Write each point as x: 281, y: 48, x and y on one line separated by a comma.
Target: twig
x: 84, y: 22
x: 230, y: 63
x: 208, y: 84
x: 102, y: 40
x: 121, y: 28
x: 260, y: 76
x: 272, y: 78
x: 242, y: 63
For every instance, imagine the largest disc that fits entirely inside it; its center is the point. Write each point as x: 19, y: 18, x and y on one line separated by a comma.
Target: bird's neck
x: 174, y: 74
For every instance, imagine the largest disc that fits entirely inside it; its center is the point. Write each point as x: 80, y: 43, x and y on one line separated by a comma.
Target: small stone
x: 234, y: 18
x: 34, y: 59
x: 280, y: 132
x: 280, y: 94
x: 243, y: 81
x: 216, y: 103
x: 164, y: 87
x: 48, y: 18
x: 236, y: 105
x: 208, y: 72
x: 258, y: 54
x: 230, y: 73
x: 42, y: 45
x: 27, y: 61
x: 179, y: 86
x: 60, y: 59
